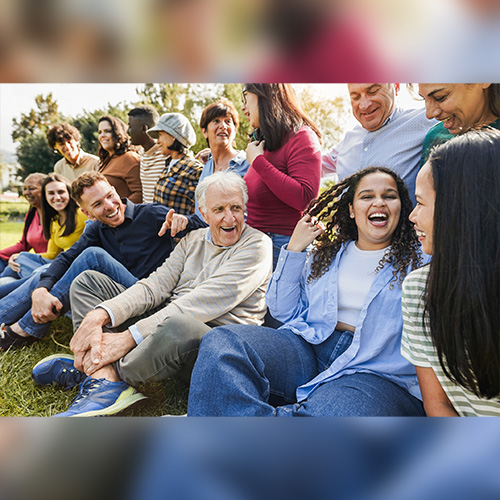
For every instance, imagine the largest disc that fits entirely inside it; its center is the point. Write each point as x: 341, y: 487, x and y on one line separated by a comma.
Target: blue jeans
x: 30, y: 263
x: 245, y: 370
x: 278, y: 241
x: 17, y: 305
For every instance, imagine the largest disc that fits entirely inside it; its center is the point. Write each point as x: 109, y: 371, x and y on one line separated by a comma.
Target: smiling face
x: 69, y: 149
x: 32, y: 191
x: 106, y: 139
x: 102, y: 203
x: 376, y: 209
x: 57, y: 195
x: 220, y: 132
x: 422, y: 215
x: 372, y: 103
x: 250, y: 107
x: 224, y: 212
x: 165, y: 140
x: 459, y: 106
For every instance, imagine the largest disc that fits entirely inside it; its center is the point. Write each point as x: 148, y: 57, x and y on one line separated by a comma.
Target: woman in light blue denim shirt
x: 338, y: 352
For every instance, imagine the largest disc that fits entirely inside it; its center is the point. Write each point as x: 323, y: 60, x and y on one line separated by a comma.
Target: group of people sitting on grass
x: 366, y: 299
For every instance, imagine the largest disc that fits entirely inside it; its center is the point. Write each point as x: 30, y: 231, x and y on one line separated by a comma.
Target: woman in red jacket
x: 285, y: 160
x: 32, y: 232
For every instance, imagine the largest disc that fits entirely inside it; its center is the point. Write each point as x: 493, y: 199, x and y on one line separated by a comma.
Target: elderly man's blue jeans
x: 254, y: 371
x: 17, y: 305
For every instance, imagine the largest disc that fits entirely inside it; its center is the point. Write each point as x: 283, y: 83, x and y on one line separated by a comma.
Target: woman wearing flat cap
x: 177, y: 183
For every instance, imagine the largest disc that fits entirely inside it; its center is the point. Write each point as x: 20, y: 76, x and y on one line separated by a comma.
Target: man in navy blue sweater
x: 126, y: 241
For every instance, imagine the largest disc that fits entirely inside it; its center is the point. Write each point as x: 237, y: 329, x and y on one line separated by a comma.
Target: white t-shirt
x: 356, y: 275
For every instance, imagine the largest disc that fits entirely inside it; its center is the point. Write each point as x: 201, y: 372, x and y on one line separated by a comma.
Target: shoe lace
x: 69, y: 378
x: 86, y: 387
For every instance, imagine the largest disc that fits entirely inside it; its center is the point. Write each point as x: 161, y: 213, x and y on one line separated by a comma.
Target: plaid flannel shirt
x: 177, y: 183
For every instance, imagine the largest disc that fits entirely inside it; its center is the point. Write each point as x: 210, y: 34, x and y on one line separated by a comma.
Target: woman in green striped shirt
x: 451, y: 307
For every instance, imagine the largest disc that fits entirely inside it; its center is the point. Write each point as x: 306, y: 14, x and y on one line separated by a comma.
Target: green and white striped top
x: 417, y: 348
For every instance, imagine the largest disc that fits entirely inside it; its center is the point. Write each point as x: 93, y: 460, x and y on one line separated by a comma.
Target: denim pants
x: 169, y: 351
x: 17, y: 305
x: 30, y: 263
x: 278, y: 241
x: 254, y: 371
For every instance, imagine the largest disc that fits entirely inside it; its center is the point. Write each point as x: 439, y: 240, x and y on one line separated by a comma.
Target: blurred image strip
x: 258, y: 40
x: 240, y: 459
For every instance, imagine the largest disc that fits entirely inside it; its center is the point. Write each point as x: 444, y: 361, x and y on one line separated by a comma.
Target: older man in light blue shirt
x: 386, y: 136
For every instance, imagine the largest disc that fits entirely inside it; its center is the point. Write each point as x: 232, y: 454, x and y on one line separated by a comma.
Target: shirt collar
x: 240, y: 157
x: 129, y: 208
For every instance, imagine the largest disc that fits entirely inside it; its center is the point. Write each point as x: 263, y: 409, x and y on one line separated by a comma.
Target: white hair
x: 225, y: 181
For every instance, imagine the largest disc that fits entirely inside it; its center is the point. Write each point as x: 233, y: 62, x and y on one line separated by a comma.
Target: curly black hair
x: 332, y: 208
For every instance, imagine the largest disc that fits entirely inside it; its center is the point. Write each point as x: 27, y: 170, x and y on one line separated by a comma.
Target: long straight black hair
x: 462, y: 299
x: 280, y: 113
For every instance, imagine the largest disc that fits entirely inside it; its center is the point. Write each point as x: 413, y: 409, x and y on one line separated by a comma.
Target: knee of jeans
x: 93, y: 253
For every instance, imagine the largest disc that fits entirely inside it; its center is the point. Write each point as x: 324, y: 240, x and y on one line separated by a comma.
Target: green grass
x: 21, y: 397
x: 10, y: 233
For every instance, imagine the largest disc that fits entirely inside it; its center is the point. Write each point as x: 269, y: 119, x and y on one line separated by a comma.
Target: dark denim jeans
x: 17, y: 305
x: 255, y: 371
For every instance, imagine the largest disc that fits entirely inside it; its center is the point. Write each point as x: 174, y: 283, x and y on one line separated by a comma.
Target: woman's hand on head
x: 254, y: 149
x: 306, y: 231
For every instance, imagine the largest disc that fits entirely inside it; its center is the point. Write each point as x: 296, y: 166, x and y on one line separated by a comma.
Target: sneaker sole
x: 54, y: 356
x: 123, y: 402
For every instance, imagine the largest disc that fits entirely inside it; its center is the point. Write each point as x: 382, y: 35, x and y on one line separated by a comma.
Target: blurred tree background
x: 34, y: 154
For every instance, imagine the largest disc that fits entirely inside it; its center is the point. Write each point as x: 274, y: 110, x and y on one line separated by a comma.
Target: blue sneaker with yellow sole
x: 58, y: 369
x: 100, y: 397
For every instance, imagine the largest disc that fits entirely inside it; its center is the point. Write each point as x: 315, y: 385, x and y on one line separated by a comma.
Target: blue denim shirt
x: 311, y: 310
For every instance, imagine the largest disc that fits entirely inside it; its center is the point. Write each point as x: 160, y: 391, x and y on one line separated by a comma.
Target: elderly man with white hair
x: 151, y: 331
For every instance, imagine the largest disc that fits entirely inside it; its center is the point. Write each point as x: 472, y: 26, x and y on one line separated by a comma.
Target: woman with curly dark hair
x: 338, y: 352
x: 118, y: 162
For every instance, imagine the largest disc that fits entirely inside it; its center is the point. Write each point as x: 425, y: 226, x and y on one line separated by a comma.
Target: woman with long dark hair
x: 62, y: 224
x: 119, y: 163
x: 284, y: 157
x: 451, y: 307
x: 338, y: 352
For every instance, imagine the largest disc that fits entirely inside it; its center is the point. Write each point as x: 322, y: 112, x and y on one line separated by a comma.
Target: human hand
x: 254, y: 149
x: 202, y: 156
x: 44, y: 306
x: 306, y: 231
x: 89, y: 335
x: 175, y: 222
x: 112, y: 347
x: 13, y: 264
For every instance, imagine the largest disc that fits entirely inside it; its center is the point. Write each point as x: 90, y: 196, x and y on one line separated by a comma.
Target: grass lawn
x: 20, y: 396
x: 10, y: 233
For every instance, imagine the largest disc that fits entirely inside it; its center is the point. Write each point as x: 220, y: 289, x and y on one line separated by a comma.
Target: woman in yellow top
x: 63, y: 223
